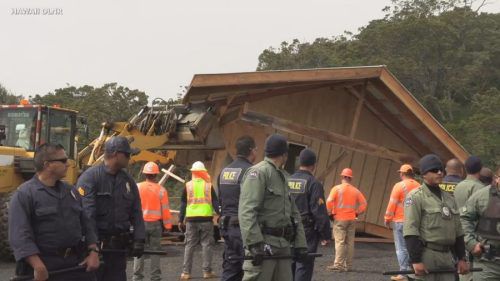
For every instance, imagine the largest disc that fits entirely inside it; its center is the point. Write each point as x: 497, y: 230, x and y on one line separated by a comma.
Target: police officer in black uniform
x: 309, y: 197
x: 229, y: 182
x: 47, y: 223
x: 111, y: 200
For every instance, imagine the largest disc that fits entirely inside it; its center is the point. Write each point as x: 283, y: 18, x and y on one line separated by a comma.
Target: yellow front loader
x: 157, y: 131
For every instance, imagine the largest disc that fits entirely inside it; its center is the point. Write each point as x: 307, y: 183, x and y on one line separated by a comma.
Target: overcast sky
x: 157, y: 46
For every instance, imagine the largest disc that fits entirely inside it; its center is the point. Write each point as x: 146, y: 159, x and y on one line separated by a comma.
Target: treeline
x: 446, y: 53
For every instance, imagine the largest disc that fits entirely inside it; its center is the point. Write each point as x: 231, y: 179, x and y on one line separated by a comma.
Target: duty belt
x: 63, y: 252
x: 234, y: 221
x: 286, y: 232
x: 307, y: 220
x: 437, y: 247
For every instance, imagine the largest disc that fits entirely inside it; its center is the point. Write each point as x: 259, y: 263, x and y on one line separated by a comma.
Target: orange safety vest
x: 395, y: 208
x: 154, y: 201
x: 346, y: 202
x: 199, y: 198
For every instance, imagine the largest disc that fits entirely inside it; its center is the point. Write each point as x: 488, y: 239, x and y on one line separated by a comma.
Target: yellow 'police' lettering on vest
x: 297, y: 185
x: 230, y: 176
x: 448, y: 186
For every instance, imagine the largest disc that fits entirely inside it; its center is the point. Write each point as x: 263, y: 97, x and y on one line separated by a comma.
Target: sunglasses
x: 62, y: 160
x: 436, y: 171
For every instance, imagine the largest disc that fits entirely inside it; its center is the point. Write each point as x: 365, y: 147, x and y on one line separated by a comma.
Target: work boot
x: 335, y: 268
x: 185, y: 276
x: 399, y: 278
x: 208, y: 275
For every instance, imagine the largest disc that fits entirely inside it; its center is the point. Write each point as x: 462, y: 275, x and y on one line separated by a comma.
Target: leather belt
x: 437, y: 247
x: 286, y: 232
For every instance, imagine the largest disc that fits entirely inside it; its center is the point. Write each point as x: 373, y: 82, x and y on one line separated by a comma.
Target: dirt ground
x: 370, y: 260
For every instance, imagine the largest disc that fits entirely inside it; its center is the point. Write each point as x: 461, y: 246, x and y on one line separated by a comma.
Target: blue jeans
x: 401, y: 251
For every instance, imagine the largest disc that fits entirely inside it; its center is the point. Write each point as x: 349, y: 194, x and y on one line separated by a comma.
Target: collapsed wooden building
x: 358, y: 117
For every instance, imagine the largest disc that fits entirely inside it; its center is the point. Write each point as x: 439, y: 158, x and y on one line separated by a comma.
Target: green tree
x: 7, y: 97
x: 109, y: 103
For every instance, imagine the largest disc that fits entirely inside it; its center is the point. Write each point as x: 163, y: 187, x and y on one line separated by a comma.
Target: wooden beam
x: 230, y: 115
x: 288, y: 76
x: 357, y: 113
x: 390, y: 120
x: 323, y: 135
x: 410, y: 102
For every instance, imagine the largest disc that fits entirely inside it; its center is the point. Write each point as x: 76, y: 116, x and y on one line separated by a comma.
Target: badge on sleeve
x: 81, y: 190
x: 408, y: 202
x: 321, y: 201
x: 253, y: 174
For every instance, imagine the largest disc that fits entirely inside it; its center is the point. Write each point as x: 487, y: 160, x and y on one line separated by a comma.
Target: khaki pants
x: 153, y: 242
x: 269, y: 270
x: 436, y: 260
x: 343, y: 232
x: 199, y: 233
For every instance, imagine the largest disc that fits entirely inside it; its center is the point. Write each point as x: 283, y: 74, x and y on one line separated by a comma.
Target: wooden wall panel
x: 377, y: 190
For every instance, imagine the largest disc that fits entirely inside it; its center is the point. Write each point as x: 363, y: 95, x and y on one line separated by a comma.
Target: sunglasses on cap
x: 62, y: 160
x: 436, y: 171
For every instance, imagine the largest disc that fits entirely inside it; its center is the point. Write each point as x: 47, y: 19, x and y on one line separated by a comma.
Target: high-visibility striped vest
x: 199, y: 198
x: 154, y: 202
x: 346, y: 202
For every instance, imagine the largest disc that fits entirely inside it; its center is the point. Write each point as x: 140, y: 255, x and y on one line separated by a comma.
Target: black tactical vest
x: 489, y: 223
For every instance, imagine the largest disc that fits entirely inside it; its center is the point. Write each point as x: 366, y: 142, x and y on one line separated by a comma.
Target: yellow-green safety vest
x: 199, y: 198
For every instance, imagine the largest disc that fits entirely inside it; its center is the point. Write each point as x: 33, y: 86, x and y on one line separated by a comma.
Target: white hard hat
x: 198, y: 166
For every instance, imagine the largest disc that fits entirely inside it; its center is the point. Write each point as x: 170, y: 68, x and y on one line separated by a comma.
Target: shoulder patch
x: 408, y: 201
x: 464, y: 209
x: 253, y: 174
x: 81, y: 190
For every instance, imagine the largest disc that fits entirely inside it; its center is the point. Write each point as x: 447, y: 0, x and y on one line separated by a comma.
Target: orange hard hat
x: 151, y: 168
x: 405, y: 168
x: 346, y: 173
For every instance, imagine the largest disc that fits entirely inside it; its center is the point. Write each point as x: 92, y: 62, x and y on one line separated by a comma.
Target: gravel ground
x: 369, y: 261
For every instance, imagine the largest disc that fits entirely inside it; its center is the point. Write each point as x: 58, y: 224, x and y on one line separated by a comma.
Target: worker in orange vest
x: 156, y: 214
x: 346, y: 203
x: 395, y: 214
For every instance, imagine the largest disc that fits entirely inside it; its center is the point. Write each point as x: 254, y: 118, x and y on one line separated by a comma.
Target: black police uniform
x: 50, y: 222
x: 113, y: 204
x: 229, y: 196
x: 309, y: 197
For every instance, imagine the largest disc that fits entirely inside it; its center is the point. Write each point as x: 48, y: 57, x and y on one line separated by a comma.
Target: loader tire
x: 5, y: 250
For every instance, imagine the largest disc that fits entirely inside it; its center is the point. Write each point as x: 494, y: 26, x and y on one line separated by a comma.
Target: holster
x: 119, y: 241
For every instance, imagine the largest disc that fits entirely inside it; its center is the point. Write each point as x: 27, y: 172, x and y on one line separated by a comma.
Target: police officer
x: 309, y: 196
x: 471, y: 184
x: 432, y: 227
x: 111, y: 200
x: 46, y: 222
x: 454, y: 174
x: 269, y: 220
x: 480, y: 219
x: 229, y: 182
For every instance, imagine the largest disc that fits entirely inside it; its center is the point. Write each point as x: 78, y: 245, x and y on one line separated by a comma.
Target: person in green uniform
x: 463, y: 192
x: 480, y: 219
x: 270, y: 222
x: 432, y: 227
x: 471, y: 184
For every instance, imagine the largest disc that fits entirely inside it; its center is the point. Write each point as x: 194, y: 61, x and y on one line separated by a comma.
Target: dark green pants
x: 270, y: 270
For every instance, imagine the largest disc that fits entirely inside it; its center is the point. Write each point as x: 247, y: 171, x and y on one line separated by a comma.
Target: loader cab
x: 29, y: 126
